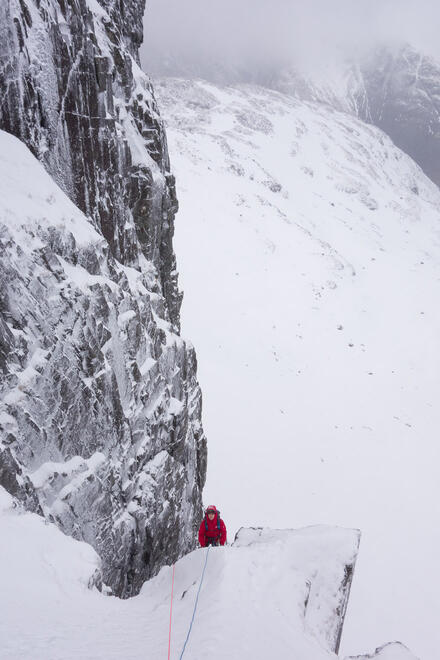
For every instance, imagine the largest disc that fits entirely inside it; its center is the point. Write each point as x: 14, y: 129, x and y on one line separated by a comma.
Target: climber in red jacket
x: 212, y: 530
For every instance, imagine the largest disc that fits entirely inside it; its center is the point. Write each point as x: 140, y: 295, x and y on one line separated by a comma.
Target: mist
x: 246, y: 39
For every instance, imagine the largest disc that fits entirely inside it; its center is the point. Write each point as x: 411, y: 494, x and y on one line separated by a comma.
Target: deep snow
x: 252, y: 601
x: 309, y: 253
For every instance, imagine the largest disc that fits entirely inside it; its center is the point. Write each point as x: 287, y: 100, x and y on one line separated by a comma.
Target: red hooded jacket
x: 213, y: 532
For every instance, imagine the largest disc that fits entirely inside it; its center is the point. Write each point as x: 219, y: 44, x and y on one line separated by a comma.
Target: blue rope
x: 195, y: 604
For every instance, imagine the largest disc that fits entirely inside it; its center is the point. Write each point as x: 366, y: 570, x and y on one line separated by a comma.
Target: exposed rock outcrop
x: 400, y: 93
x: 100, y: 410
x: 391, y: 651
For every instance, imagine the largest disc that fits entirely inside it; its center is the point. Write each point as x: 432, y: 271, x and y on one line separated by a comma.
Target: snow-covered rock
x: 391, y: 651
x: 399, y: 91
x: 100, y: 410
x: 271, y: 593
x: 99, y: 403
x: 274, y: 592
x: 325, y: 557
x: 73, y: 91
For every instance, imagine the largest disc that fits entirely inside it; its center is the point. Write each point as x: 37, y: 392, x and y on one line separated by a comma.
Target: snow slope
x: 272, y: 592
x: 309, y: 251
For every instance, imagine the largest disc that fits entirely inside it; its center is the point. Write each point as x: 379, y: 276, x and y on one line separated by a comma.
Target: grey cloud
x: 245, y: 38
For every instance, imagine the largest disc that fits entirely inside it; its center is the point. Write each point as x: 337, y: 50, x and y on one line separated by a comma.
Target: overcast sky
x: 255, y: 33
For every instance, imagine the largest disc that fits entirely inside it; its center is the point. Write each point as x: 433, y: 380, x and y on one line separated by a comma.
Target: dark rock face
x: 400, y: 94
x: 395, y: 650
x: 104, y: 433
x: 73, y: 92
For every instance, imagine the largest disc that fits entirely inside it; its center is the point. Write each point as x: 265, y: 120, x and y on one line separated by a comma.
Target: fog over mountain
x: 250, y: 40
x: 377, y: 60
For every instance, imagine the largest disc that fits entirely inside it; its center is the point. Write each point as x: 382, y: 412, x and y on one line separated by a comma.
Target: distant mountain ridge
x: 396, y: 89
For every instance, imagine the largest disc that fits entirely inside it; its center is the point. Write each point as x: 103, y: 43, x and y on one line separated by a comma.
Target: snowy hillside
x: 309, y: 251
x: 396, y: 88
x: 278, y: 592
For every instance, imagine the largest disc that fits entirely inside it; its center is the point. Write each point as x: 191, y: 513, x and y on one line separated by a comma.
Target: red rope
x: 171, y: 614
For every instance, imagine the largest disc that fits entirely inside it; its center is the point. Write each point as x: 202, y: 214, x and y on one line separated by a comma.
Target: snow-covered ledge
x: 321, y: 560
x: 273, y: 593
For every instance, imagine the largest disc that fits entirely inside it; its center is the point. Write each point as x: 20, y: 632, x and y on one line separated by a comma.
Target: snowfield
x: 309, y: 252
x: 271, y: 592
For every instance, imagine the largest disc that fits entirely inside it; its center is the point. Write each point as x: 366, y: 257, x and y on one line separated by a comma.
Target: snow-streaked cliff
x: 100, y: 410
x: 314, y: 287
x: 72, y: 90
x: 99, y: 405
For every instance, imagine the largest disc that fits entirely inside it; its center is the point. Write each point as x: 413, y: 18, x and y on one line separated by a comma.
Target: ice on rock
x: 91, y: 361
x: 391, y: 651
